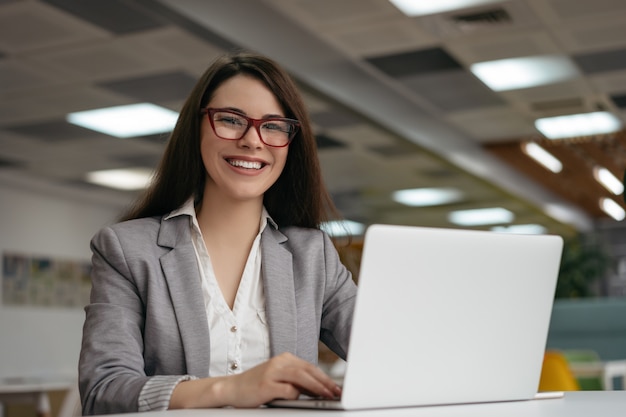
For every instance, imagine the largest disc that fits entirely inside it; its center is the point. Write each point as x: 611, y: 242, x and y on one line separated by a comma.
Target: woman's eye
x: 230, y: 120
x: 274, y: 126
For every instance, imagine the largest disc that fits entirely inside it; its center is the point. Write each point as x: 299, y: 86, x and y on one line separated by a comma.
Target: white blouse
x: 239, y: 338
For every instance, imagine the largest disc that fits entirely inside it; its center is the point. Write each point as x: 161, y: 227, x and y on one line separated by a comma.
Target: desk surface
x: 574, y: 404
x: 21, y: 385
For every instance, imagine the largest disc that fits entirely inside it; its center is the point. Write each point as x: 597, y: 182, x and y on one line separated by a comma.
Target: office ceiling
x: 391, y: 97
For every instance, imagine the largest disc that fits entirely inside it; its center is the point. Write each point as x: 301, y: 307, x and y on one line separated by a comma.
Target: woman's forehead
x: 246, y: 91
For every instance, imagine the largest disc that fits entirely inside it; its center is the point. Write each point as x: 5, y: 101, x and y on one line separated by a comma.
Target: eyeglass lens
x: 273, y: 132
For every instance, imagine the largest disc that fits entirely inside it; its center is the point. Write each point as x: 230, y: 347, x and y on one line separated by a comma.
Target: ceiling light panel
x: 426, y: 7
x: 126, y: 121
x: 585, y: 124
x: 481, y: 217
x: 524, y: 72
x: 341, y: 228
x: 424, y: 197
x: 121, y: 179
x: 542, y: 157
x: 613, y: 209
x: 608, y: 180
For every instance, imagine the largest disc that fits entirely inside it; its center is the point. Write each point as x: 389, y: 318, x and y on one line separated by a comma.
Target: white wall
x: 43, y: 222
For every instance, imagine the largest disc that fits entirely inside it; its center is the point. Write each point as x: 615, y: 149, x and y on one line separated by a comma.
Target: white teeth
x: 245, y: 164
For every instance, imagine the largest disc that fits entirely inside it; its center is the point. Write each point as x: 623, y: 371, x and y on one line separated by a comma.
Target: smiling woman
x: 218, y: 283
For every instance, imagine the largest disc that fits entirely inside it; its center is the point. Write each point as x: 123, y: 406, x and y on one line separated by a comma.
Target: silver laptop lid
x: 449, y: 316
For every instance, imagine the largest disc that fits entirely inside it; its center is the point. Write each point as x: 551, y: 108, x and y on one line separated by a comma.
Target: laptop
x: 447, y: 316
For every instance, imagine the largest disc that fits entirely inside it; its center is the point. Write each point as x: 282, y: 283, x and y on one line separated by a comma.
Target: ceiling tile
x: 325, y: 142
x: 155, y: 88
x: 462, y: 90
x: 487, y: 21
x: 492, y: 124
x: 364, y: 135
x: 603, y: 61
x: 16, y: 75
x: 328, y: 12
x: 381, y: 37
x: 586, y: 8
x: 9, y: 163
x: 506, y: 45
x: 423, y: 61
x: 551, y: 92
x: 394, y: 150
x: 601, y: 34
x: 116, y: 16
x: 176, y: 44
x: 613, y: 82
x: 53, y: 103
x: 619, y: 100
x: 334, y: 118
x: 149, y: 160
x: 30, y: 25
x: 156, y: 139
x: 57, y: 130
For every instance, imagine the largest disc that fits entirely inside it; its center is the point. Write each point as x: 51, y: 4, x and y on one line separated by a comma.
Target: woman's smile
x: 246, y: 164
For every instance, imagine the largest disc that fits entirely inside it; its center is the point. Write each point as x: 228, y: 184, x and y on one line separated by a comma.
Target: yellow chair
x: 556, y: 374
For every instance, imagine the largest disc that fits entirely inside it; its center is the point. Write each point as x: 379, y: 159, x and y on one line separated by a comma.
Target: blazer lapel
x: 180, y: 268
x: 278, y: 283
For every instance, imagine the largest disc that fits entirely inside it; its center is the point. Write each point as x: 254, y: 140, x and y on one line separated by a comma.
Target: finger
x: 326, y: 380
x: 285, y: 391
x: 311, y: 381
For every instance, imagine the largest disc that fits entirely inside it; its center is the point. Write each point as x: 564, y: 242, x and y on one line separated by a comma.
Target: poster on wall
x: 39, y: 281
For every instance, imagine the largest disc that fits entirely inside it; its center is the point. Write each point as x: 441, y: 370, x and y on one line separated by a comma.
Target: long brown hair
x: 299, y: 196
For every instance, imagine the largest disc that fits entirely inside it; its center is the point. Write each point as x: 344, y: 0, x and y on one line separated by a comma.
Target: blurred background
x: 423, y: 115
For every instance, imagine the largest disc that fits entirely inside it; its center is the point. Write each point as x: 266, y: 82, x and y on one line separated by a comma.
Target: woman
x: 216, y: 288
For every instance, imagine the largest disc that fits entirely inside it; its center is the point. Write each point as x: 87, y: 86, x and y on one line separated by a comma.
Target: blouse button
x: 234, y: 366
x: 233, y: 329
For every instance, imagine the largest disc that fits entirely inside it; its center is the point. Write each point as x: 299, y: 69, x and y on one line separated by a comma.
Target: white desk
x: 30, y: 391
x: 574, y: 404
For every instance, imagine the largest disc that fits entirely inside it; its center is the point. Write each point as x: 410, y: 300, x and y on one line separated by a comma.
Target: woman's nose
x: 252, y: 138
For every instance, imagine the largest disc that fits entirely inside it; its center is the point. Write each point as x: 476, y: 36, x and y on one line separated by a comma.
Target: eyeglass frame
x: 210, y: 111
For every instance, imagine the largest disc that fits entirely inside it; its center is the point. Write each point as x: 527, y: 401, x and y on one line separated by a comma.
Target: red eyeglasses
x: 232, y: 125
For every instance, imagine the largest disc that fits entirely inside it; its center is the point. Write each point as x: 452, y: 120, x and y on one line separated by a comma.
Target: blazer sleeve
x: 111, y: 365
x: 339, y: 298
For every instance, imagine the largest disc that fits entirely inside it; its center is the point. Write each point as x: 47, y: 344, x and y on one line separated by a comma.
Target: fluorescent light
x: 121, y: 179
x: 424, y: 7
x: 522, y: 229
x: 613, y: 209
x: 584, y: 124
x: 126, y: 121
x: 340, y: 228
x: 524, y: 72
x: 480, y: 217
x: 608, y: 180
x: 560, y: 212
x: 422, y: 197
x: 543, y: 157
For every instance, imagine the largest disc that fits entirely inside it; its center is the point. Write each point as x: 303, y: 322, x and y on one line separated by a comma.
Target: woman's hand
x: 283, y: 376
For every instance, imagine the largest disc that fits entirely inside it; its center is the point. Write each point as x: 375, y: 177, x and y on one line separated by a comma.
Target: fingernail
x: 337, y: 389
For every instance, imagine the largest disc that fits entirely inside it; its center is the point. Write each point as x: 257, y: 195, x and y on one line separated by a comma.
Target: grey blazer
x: 147, y: 314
